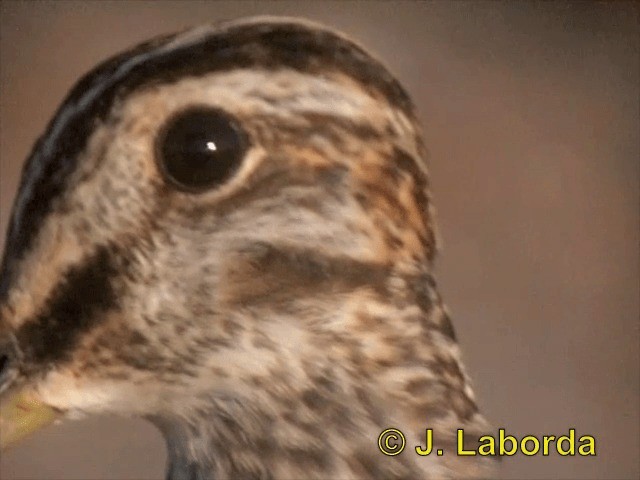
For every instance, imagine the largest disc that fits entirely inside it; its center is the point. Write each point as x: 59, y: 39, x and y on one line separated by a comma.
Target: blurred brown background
x: 531, y: 112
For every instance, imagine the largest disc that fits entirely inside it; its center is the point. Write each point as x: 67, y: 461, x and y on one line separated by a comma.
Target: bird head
x: 232, y: 220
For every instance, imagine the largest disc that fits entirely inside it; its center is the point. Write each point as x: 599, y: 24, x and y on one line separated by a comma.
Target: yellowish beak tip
x: 22, y: 414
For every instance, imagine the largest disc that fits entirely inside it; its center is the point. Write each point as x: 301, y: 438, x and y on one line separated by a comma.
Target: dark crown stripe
x: 269, y: 44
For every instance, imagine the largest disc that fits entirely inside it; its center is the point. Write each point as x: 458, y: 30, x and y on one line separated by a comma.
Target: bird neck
x: 210, y: 443
x: 381, y: 359
x: 233, y: 439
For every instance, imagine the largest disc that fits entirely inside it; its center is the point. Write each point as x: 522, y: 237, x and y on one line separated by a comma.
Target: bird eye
x: 200, y: 148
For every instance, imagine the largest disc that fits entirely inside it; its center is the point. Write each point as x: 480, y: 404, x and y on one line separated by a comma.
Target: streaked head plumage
x: 132, y: 285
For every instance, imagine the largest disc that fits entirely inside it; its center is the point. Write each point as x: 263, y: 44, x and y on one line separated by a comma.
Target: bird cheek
x: 78, y: 395
x: 60, y: 389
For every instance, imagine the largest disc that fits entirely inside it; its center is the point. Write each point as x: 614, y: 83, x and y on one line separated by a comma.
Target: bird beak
x: 21, y: 410
x: 22, y: 413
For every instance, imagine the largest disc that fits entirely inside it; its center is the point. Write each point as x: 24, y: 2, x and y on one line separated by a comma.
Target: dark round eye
x: 200, y: 148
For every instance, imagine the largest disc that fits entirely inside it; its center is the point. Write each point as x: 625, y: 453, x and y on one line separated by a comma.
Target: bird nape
x: 229, y: 232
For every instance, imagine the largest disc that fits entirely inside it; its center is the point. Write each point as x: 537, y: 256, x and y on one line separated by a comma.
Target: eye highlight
x: 200, y: 148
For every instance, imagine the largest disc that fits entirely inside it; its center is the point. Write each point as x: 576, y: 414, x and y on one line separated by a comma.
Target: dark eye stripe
x: 76, y: 304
